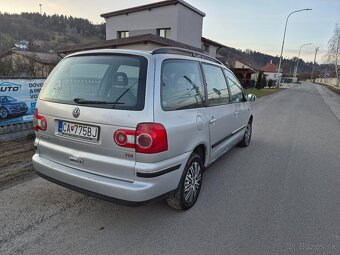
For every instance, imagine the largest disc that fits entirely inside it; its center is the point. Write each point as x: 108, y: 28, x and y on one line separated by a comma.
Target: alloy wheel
x: 192, y: 182
x: 247, y: 134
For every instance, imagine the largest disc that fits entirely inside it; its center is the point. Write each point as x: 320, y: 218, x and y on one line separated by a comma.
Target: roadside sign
x: 18, y: 99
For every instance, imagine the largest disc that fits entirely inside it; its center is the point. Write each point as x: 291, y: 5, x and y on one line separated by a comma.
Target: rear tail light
x: 125, y: 138
x: 148, y: 138
x: 151, y: 138
x: 39, y: 121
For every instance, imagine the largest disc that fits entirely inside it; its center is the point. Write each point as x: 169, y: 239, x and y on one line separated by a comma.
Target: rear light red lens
x: 147, y: 138
x: 151, y: 138
x: 39, y: 121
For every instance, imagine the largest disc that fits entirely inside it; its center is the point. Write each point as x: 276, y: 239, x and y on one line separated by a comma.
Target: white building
x: 147, y: 27
x: 172, y: 19
x: 270, y: 71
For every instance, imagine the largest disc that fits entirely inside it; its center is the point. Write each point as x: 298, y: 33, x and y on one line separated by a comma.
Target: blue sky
x: 247, y: 24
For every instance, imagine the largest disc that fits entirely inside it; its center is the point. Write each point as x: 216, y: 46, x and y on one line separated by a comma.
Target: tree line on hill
x: 257, y: 60
x: 53, y: 30
x: 47, y: 32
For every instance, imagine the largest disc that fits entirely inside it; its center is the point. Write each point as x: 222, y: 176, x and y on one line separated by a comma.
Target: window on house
x: 164, y: 32
x: 123, y: 34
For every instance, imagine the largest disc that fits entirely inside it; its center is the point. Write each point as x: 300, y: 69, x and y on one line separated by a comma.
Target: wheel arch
x: 201, y: 150
x: 251, y: 119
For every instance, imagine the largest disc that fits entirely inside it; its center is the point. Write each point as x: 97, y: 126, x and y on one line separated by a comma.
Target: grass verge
x: 262, y: 92
x: 334, y: 89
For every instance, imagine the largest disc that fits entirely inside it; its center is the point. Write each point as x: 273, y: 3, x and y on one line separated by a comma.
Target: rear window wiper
x: 85, y: 101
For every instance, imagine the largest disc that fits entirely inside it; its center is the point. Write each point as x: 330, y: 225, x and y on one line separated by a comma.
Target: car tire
x: 247, y: 136
x: 3, y: 113
x: 189, y: 187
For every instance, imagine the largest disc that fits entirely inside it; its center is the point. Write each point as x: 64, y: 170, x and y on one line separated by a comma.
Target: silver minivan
x: 134, y: 126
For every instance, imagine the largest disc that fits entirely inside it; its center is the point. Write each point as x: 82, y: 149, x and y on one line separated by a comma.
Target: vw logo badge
x: 76, y: 112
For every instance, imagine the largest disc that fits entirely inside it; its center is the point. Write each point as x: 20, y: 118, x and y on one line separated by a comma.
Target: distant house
x: 29, y: 64
x: 23, y: 44
x: 245, y: 73
x: 172, y: 23
x: 270, y: 70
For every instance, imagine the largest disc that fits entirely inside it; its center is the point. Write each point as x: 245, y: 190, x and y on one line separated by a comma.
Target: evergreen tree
x: 259, y: 80
x: 263, y: 81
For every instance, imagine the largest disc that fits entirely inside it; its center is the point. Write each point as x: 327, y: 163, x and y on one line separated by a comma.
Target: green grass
x: 262, y: 92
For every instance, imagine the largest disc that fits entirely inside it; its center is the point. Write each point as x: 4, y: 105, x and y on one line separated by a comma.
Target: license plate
x: 78, y: 130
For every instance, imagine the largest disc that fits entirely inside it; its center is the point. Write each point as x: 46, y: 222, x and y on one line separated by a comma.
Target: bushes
x: 270, y: 83
x: 261, y: 81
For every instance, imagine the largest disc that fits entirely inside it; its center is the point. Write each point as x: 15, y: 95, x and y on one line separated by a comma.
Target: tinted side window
x: 235, y: 88
x: 181, y: 85
x: 216, y: 85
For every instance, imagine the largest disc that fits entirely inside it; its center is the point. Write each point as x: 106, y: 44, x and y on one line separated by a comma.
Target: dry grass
x: 262, y: 92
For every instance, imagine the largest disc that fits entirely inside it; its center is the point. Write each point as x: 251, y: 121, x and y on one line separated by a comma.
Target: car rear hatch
x: 85, y: 101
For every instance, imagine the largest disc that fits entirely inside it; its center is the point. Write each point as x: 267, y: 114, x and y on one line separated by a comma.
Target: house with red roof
x: 270, y: 71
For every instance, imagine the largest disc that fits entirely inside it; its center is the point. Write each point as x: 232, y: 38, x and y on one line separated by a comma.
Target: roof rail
x: 185, y: 52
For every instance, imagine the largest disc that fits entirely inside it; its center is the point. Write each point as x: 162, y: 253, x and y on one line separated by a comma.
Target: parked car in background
x: 133, y: 126
x: 11, y: 107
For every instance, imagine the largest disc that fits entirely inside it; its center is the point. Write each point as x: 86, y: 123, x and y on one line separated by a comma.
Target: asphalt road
x: 281, y: 195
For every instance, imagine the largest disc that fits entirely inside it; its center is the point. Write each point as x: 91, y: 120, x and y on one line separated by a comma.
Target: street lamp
x: 297, y: 62
x: 283, y: 42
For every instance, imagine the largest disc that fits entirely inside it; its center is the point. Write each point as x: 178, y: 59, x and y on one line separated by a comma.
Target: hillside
x: 45, y: 32
x: 257, y: 60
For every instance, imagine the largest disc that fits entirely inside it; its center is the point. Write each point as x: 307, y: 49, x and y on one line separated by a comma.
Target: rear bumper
x: 151, y: 186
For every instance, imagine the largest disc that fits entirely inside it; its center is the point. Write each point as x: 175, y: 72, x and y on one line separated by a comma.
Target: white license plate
x: 78, y: 130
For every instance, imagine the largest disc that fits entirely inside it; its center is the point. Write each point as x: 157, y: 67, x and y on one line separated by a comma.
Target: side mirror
x: 251, y: 97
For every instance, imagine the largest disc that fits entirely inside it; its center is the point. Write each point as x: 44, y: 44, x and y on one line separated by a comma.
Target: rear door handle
x: 236, y: 113
x: 212, y: 121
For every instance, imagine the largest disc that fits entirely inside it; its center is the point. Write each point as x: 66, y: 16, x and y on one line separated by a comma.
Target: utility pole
x: 298, y: 58
x: 40, y: 9
x: 283, y: 43
x: 312, y: 75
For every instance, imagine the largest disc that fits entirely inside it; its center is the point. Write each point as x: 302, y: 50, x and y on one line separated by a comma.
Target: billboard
x: 18, y: 99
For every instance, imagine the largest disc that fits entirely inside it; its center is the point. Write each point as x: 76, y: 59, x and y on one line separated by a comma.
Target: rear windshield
x: 105, y: 81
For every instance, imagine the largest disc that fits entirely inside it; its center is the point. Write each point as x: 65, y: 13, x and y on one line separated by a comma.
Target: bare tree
x: 333, y: 55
